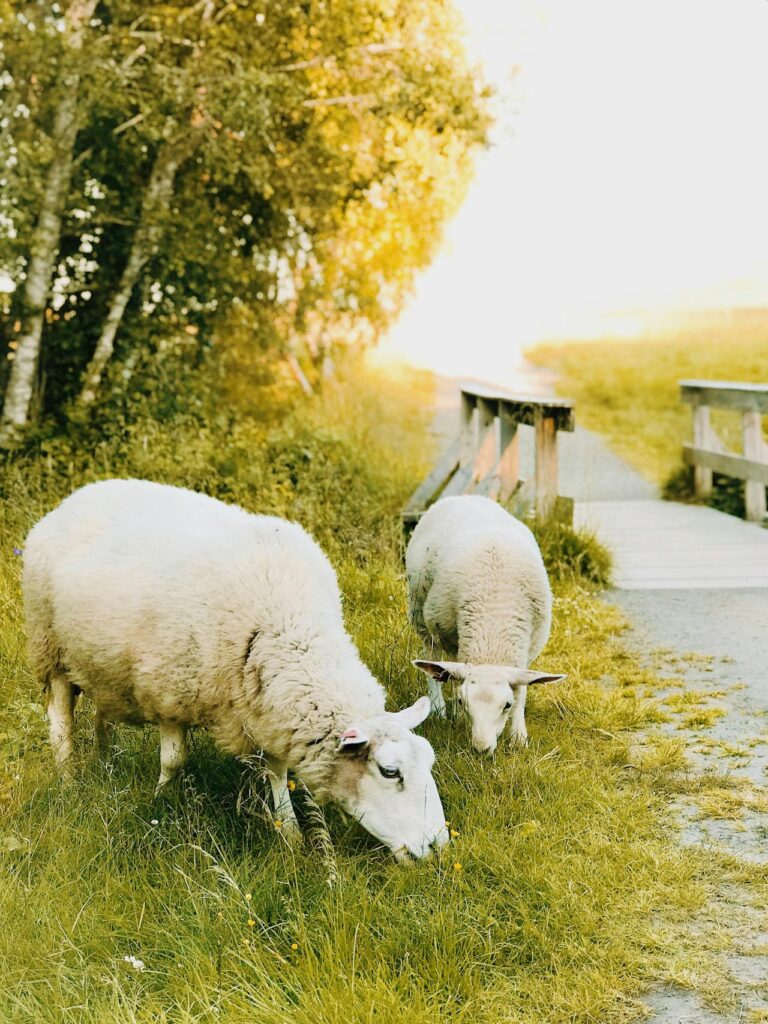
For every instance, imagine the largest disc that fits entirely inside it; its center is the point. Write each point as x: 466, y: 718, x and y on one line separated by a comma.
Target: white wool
x: 477, y: 582
x: 478, y: 588
x: 168, y: 606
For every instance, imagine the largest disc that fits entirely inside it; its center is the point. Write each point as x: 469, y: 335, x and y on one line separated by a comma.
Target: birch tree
x: 44, y: 243
x: 282, y: 165
x: 146, y: 239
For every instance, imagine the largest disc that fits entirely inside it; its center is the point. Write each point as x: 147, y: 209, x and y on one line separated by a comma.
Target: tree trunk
x: 44, y: 244
x: 145, y: 242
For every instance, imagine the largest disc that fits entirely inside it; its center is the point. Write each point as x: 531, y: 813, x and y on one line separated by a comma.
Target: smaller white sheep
x: 478, y: 590
x: 166, y: 606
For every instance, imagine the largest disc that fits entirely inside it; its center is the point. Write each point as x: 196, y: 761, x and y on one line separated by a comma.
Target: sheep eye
x: 390, y: 773
x: 508, y: 705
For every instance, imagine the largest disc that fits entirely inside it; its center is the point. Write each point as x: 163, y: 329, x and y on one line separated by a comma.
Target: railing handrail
x: 516, y: 397
x: 484, y: 458
x: 726, y: 394
x: 709, y: 455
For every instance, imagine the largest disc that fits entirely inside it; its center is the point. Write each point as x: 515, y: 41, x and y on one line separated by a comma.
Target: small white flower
x: 154, y: 822
x: 136, y: 964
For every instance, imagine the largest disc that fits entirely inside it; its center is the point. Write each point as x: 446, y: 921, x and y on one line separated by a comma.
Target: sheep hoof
x: 520, y: 739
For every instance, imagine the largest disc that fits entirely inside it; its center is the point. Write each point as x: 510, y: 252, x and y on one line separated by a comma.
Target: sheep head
x: 383, y: 777
x: 487, y: 693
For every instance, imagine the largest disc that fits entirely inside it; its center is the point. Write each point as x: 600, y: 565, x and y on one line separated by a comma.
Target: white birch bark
x: 144, y: 245
x: 44, y: 244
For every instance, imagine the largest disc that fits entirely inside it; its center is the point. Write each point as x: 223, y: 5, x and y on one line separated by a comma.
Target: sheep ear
x: 353, y: 740
x: 526, y: 677
x: 442, y: 670
x: 410, y: 717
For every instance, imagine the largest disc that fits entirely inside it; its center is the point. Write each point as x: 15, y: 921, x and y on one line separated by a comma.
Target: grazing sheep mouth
x: 405, y: 856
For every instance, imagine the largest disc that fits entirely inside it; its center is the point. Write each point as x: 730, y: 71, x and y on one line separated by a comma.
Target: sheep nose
x: 404, y: 855
x: 484, y: 748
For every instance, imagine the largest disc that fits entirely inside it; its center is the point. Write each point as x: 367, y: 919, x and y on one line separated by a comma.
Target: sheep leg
x: 435, y: 689
x: 436, y: 697
x: 173, y: 752
x: 519, y: 731
x: 104, y: 730
x: 61, y: 719
x: 281, y: 798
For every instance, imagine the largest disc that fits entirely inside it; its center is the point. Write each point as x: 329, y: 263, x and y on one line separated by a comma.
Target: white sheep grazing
x: 478, y: 589
x: 167, y: 606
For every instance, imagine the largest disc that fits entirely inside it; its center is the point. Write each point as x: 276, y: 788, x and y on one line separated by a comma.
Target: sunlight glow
x: 628, y: 176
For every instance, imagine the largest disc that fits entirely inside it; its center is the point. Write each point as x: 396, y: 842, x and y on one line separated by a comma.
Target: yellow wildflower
x: 294, y: 946
x: 248, y: 897
x: 455, y: 833
x: 291, y: 785
x: 457, y: 866
x: 278, y: 824
x: 251, y: 922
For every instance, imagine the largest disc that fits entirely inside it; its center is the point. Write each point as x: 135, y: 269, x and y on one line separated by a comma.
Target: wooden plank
x: 458, y: 483
x: 725, y: 394
x: 509, y: 462
x: 503, y: 394
x: 525, y: 408
x: 487, y: 452
x: 754, y: 449
x: 684, y: 547
x: 530, y: 412
x: 727, y: 463
x: 546, y: 465
x: 428, y: 488
x: 467, y: 429
x: 702, y: 436
x: 490, y: 485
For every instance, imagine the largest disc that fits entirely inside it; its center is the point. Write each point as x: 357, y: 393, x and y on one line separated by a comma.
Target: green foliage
x: 727, y: 492
x: 572, y: 554
x: 320, y: 148
x: 545, y: 907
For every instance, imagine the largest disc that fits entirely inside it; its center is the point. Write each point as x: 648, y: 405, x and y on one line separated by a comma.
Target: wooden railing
x: 708, y: 454
x: 485, y: 457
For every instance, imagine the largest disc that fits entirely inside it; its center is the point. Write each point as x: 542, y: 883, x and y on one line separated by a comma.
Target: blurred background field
x: 627, y: 388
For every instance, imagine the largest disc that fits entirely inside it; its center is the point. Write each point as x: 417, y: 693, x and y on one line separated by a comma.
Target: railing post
x: 487, y: 453
x: 754, y: 448
x: 546, y: 465
x: 702, y: 431
x: 467, y: 431
x: 509, y: 444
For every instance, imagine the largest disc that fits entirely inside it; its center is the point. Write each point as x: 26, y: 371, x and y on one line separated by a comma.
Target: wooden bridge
x: 525, y: 451
x: 485, y: 456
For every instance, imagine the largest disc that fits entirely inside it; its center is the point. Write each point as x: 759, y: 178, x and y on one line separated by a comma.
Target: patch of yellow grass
x: 702, y: 718
x: 628, y: 390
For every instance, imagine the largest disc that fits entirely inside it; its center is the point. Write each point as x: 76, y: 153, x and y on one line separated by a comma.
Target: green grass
x: 560, y: 897
x: 627, y: 390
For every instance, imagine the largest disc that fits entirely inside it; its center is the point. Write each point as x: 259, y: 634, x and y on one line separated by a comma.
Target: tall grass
x: 628, y: 390
x: 545, y: 907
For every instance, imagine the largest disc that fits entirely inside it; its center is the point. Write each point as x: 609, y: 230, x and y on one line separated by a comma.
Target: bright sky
x: 629, y: 173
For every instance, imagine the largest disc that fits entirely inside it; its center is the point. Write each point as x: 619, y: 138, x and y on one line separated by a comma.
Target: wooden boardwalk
x: 663, y: 545
x: 655, y: 544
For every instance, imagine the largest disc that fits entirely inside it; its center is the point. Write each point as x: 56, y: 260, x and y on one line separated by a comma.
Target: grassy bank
x: 627, y: 390
x: 546, y: 907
